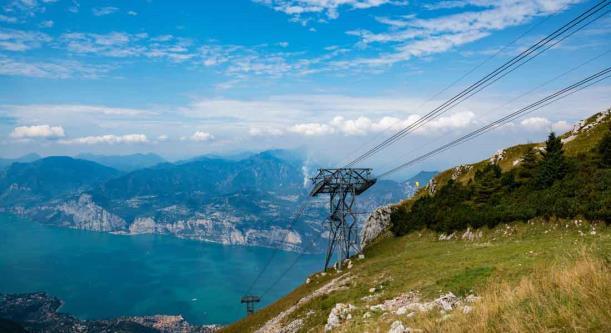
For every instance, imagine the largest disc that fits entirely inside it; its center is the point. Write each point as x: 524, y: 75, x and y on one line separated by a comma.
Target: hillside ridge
x: 423, y: 280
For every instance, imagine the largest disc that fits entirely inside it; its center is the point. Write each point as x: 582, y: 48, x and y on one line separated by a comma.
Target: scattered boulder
x: 472, y: 299
x: 408, y: 304
x: 497, y: 157
x: 471, y: 235
x: 397, y: 327
x: 293, y: 327
x: 397, y: 302
x: 447, y: 237
x: 339, y: 314
x: 447, y: 301
x: 431, y: 187
x: 401, y: 311
x: 460, y: 170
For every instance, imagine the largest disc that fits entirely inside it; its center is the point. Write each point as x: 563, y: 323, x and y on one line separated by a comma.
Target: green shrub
x: 555, y: 186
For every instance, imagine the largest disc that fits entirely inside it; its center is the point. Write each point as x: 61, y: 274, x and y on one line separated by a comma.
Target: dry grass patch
x: 567, y: 298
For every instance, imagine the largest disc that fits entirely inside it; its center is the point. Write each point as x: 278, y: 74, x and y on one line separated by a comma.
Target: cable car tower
x: 250, y: 303
x: 342, y: 185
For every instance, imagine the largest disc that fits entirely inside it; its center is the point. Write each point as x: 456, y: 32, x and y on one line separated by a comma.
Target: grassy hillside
x: 520, y: 183
x: 547, y: 274
x: 586, y: 135
x: 501, y: 257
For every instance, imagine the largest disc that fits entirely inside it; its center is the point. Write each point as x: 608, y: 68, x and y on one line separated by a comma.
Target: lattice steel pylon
x: 250, y: 303
x: 343, y: 186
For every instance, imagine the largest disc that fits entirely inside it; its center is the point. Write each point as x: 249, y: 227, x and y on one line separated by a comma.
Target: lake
x: 100, y: 275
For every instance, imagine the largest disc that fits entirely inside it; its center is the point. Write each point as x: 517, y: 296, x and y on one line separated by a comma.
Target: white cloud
x: 543, y: 124
x: 126, y: 45
x: 312, y: 129
x: 358, y: 126
x: 132, y: 13
x: 107, y: 139
x: 18, y: 40
x: 46, y: 24
x: 162, y: 137
x: 456, y: 120
x: 289, y: 109
x: 416, y: 37
x: 37, y: 131
x: 330, y: 8
x: 536, y: 123
x: 8, y: 19
x: 446, y: 4
x: 365, y: 126
x: 103, y: 11
x: 74, y: 7
x: 561, y: 126
x: 201, y: 136
x: 81, y: 120
x: 245, y: 62
x: 51, y: 70
x: 71, y: 110
x: 265, y: 131
x: 25, y: 8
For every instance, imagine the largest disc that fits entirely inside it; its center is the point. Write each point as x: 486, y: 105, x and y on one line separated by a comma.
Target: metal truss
x: 343, y: 186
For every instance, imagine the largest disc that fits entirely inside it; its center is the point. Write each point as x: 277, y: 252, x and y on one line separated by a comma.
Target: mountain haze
x: 247, y: 201
x: 124, y: 162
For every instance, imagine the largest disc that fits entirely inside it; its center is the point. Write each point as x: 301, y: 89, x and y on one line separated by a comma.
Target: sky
x: 328, y: 77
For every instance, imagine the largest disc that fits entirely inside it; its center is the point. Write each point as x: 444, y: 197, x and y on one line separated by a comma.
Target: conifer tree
x: 529, y: 163
x: 553, y: 166
x: 604, y: 149
x: 487, y: 182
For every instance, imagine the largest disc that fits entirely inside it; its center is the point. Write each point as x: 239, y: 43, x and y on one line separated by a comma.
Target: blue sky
x: 327, y: 76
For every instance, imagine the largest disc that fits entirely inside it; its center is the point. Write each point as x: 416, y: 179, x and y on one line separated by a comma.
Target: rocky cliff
x: 248, y: 201
x: 376, y: 224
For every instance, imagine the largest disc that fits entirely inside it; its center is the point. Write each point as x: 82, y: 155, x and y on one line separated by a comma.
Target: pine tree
x: 604, y: 149
x: 553, y: 166
x: 529, y: 163
x: 487, y: 182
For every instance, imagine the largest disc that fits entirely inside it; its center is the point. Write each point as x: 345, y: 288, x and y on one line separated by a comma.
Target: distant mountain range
x: 246, y: 201
x: 125, y: 162
x: 4, y: 162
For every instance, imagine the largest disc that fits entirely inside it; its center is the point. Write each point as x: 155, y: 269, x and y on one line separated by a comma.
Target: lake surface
x: 100, y: 275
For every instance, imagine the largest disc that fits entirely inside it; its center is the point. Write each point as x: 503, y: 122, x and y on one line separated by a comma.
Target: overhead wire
x: 300, y: 211
x: 498, y: 73
x: 457, y: 99
x: 455, y: 82
x: 517, y: 59
x: 285, y: 272
x: 521, y: 96
x: 563, y: 93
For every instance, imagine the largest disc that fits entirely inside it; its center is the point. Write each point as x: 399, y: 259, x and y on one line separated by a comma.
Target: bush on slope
x: 553, y: 185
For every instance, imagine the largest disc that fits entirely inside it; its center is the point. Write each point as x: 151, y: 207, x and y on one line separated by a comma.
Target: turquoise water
x: 100, y: 275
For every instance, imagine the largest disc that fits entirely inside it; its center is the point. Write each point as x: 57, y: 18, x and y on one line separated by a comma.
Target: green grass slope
x: 421, y: 262
x: 583, y: 138
x: 548, y: 273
